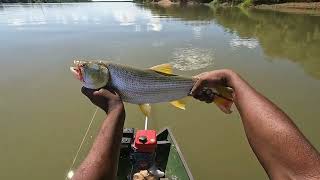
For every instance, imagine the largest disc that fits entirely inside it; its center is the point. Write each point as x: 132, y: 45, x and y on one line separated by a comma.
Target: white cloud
x: 154, y: 24
x: 126, y: 18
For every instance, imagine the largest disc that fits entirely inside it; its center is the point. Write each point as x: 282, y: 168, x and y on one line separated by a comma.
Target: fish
x: 142, y: 86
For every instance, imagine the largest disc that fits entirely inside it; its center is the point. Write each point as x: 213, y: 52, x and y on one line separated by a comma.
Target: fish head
x: 92, y: 74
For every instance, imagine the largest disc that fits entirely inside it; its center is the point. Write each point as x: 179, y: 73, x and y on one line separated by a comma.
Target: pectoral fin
x: 223, y: 104
x: 145, y: 109
x: 179, y: 104
x: 163, y: 68
x: 225, y: 91
x: 225, y: 98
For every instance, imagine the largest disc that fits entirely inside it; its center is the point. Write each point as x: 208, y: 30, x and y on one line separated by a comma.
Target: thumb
x: 103, y: 92
x: 199, y: 84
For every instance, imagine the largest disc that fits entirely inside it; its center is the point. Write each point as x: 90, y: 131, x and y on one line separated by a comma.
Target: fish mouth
x: 77, y: 70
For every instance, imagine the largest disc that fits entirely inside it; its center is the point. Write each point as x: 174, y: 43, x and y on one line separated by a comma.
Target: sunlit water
x: 44, y: 115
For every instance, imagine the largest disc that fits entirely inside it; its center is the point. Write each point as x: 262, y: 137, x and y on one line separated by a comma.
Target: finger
x: 83, y: 90
x: 87, y: 92
x: 195, y: 86
x: 198, y: 86
x: 104, y: 92
x: 200, y: 75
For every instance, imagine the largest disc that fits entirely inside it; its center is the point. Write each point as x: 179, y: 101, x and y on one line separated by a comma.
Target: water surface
x: 44, y: 115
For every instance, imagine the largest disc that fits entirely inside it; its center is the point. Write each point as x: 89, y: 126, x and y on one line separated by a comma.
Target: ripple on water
x: 190, y: 58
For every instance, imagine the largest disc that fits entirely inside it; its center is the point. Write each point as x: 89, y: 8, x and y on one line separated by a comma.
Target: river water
x: 44, y: 115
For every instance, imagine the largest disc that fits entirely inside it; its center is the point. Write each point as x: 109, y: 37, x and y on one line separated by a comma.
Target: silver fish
x: 136, y: 86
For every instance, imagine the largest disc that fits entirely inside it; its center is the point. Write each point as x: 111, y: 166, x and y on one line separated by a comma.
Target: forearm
x: 276, y: 141
x: 102, y: 160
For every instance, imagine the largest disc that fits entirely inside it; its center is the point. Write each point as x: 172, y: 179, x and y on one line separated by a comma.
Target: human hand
x: 105, y: 99
x: 213, y: 87
x: 212, y: 79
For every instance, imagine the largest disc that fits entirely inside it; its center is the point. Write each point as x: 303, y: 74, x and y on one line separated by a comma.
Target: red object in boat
x: 145, y: 141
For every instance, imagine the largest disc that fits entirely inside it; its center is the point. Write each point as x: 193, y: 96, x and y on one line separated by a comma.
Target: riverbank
x: 298, y: 8
x: 288, y: 7
x: 300, y: 5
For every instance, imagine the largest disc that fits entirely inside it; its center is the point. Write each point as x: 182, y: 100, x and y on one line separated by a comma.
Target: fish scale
x: 147, y: 86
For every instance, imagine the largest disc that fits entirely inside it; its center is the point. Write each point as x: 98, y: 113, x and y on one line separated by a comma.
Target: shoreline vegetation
x: 291, y: 6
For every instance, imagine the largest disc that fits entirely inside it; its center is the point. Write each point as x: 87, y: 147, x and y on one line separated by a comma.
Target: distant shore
x: 299, y: 8
x: 300, y: 5
x: 276, y: 6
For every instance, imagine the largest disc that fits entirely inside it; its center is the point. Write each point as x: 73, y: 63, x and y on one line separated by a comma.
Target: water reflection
x: 200, y: 14
x: 243, y: 42
x: 30, y: 16
x: 125, y: 18
x: 293, y: 37
x: 39, y: 42
x: 196, y: 31
x: 281, y: 35
x: 154, y: 24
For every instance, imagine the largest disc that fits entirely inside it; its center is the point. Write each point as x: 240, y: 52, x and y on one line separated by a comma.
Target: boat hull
x: 168, y: 158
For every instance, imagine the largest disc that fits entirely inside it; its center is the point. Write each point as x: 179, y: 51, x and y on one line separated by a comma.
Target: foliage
x: 214, y: 2
x: 246, y: 3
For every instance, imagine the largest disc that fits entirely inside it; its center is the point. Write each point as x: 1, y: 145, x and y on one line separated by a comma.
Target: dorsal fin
x: 163, y: 68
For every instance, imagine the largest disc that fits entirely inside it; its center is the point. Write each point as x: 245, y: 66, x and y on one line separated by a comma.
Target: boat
x: 167, y: 157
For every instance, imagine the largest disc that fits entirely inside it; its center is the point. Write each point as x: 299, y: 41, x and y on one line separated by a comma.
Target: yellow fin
x: 179, y: 104
x: 223, y: 104
x: 145, y: 109
x: 163, y: 68
x: 225, y: 91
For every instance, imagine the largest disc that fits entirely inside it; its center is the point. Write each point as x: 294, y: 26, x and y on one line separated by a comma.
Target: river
x: 44, y: 116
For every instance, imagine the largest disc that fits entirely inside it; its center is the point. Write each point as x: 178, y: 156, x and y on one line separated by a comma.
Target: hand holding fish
x: 103, y: 98
x: 146, y: 86
x: 102, y: 159
x: 282, y: 149
x: 219, y: 80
